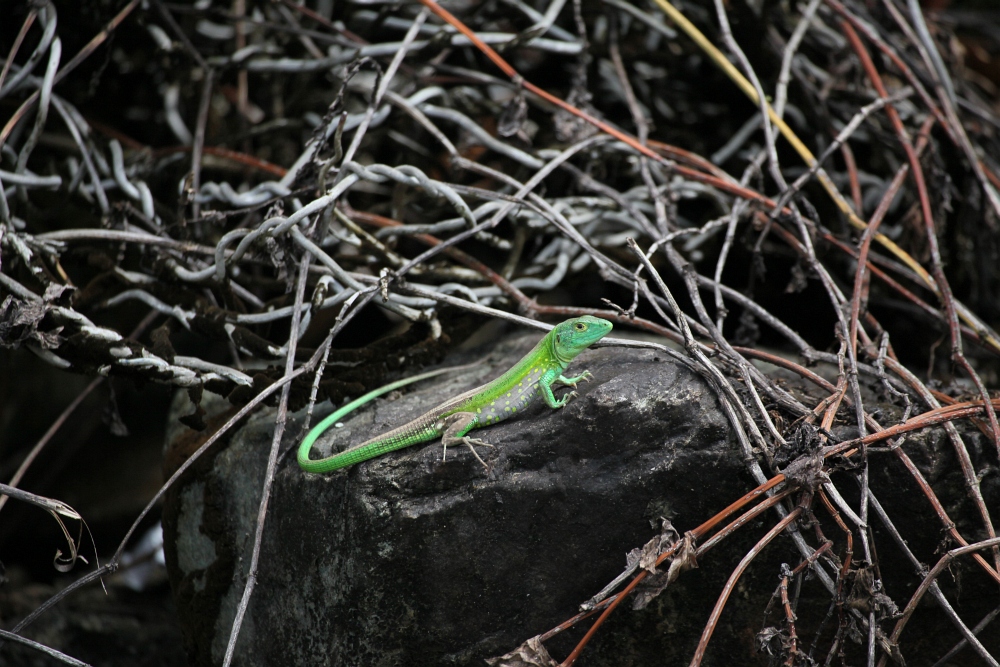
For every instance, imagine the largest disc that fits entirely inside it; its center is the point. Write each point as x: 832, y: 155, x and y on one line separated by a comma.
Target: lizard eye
x: 580, y: 326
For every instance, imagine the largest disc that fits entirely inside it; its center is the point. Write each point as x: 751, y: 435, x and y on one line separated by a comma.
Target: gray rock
x: 410, y: 560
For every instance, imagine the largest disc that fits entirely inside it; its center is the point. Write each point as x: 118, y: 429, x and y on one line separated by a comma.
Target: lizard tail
x: 328, y: 464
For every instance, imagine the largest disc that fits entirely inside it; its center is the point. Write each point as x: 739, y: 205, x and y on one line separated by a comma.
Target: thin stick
x: 272, y: 461
x: 44, y: 440
x: 727, y: 590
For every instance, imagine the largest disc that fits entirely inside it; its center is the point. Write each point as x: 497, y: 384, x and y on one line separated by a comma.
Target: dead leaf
x: 531, y: 653
x: 657, y: 582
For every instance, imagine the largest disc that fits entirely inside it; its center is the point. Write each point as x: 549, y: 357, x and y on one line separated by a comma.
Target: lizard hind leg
x: 471, y: 444
x: 456, y: 426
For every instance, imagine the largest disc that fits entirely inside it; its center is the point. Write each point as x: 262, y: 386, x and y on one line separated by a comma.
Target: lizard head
x: 574, y: 336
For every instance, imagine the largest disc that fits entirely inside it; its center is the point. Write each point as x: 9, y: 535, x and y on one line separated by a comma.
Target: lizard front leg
x: 545, y: 385
x: 455, y: 428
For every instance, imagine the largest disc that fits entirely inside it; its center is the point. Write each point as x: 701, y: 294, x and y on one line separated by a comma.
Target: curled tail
x: 335, y: 461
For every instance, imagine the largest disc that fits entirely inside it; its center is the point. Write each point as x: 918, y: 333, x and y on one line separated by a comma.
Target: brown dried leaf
x: 48, y: 340
x: 54, y: 291
x: 806, y: 471
x: 866, y: 594
x: 685, y: 559
x: 651, y: 550
x: 657, y: 582
x: 531, y: 653
x: 19, y: 322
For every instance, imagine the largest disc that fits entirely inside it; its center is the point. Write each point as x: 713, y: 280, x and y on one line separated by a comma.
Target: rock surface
x: 411, y: 560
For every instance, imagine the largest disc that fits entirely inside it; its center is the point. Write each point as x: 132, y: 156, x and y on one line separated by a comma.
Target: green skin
x: 489, y: 404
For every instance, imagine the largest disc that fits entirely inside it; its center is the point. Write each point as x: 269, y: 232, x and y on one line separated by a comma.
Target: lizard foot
x: 471, y: 442
x: 585, y: 376
x: 565, y: 399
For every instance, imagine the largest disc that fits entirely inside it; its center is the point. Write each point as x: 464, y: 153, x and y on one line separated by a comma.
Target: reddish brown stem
x: 931, y: 577
x: 720, y: 604
x: 937, y: 264
x: 81, y: 55
x: 697, y: 532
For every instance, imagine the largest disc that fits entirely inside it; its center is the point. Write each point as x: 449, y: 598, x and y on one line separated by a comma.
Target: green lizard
x: 491, y: 403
